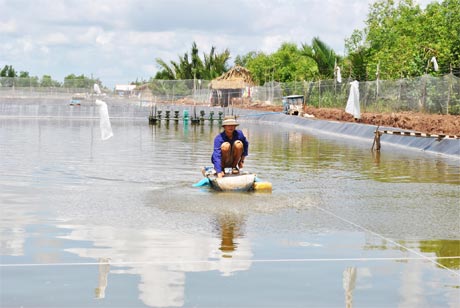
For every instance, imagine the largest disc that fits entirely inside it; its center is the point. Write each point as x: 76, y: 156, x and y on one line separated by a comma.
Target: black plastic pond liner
x: 365, y: 132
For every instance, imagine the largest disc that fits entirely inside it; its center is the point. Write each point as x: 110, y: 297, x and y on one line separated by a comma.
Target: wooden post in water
x: 376, y: 142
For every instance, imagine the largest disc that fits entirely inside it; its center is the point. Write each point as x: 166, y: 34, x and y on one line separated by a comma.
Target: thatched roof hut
x: 236, y: 78
x: 230, y: 86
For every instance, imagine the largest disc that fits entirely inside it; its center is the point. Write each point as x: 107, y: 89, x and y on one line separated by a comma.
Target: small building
x: 125, y: 89
x: 230, y: 85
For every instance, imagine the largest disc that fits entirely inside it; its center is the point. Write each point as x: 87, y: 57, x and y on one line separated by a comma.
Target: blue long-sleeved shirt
x: 216, y: 157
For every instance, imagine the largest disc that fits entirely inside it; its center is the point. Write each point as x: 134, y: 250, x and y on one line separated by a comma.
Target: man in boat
x: 230, y: 148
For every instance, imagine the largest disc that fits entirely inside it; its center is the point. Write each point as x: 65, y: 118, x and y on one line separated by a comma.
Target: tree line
x: 9, y: 77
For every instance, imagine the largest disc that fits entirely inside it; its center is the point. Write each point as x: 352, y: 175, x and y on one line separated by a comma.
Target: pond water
x: 117, y: 223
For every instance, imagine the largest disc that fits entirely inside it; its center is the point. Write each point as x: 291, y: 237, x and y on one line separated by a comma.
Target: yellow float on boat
x: 262, y: 186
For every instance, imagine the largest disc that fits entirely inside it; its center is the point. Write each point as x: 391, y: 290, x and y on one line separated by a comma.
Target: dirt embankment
x: 421, y: 122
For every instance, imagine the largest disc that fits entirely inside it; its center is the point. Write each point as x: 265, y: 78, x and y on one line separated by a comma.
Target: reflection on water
x: 230, y: 227
x: 103, y: 268
x: 162, y: 257
x: 349, y: 282
x: 443, y: 248
x: 128, y: 205
x: 300, y: 151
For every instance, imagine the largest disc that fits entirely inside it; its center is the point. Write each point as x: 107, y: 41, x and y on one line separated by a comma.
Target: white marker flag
x: 97, y: 89
x: 435, y: 64
x: 353, y: 100
x: 339, y: 76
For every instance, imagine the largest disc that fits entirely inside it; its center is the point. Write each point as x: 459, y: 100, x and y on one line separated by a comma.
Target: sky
x: 118, y: 41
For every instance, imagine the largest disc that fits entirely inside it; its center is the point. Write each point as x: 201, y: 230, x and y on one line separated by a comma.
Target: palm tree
x: 220, y: 63
x: 215, y: 64
x: 196, y: 65
x: 166, y: 71
x: 323, y: 55
x: 193, y: 67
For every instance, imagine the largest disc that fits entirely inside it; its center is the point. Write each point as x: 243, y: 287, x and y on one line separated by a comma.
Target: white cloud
x: 8, y: 26
x: 122, y: 39
x: 164, y: 39
x: 44, y: 50
x: 149, y: 69
x: 104, y: 38
x: 57, y: 38
x: 27, y: 46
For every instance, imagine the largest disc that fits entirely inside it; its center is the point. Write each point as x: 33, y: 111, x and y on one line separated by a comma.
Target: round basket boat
x: 237, y: 182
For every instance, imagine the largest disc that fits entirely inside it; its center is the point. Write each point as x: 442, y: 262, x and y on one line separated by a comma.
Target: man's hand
x: 221, y: 174
x: 241, y: 164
